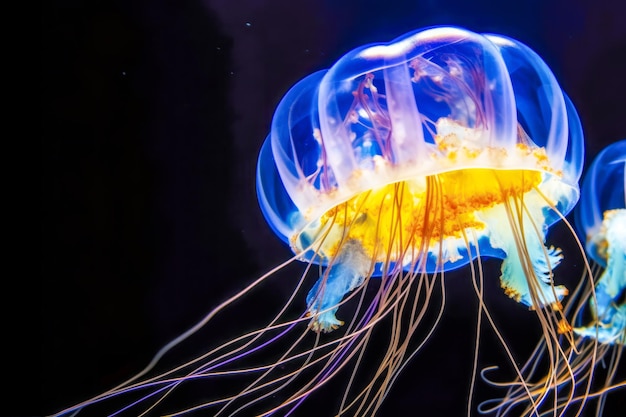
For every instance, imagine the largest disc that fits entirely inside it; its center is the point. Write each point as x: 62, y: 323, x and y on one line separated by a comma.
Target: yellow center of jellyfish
x: 420, y: 214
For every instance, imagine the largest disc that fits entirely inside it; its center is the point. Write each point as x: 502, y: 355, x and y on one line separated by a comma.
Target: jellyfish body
x: 602, y: 219
x: 402, y: 161
x: 421, y: 155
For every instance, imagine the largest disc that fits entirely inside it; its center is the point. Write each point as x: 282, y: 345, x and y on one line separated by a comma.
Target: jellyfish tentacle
x: 596, y: 306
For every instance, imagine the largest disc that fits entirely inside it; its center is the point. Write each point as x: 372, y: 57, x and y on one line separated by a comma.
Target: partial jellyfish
x: 401, y: 162
x: 597, y: 306
x: 602, y: 219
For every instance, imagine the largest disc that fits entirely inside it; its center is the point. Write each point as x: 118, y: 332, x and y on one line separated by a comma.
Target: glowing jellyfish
x: 598, y: 306
x: 603, y: 220
x: 602, y: 217
x: 402, y: 161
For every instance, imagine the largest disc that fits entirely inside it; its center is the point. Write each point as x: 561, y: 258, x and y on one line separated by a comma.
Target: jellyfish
x: 401, y: 162
x: 600, y: 314
x: 597, y: 307
x: 602, y: 218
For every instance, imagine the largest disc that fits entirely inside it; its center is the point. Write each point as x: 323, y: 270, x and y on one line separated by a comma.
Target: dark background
x: 153, y: 113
